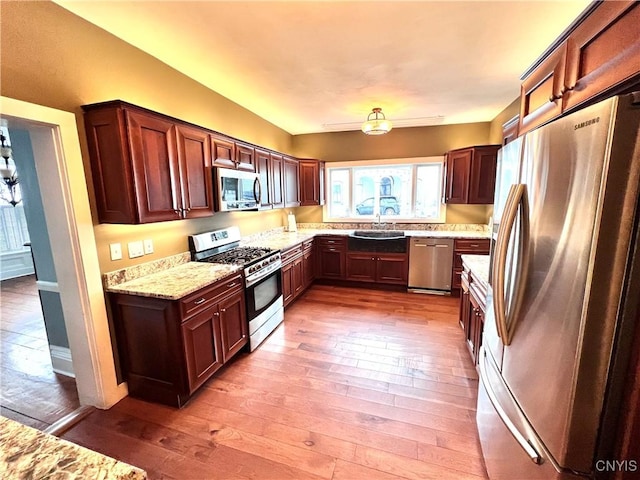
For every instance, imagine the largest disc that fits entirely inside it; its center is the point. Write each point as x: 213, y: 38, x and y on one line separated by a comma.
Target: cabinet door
x: 331, y: 263
x: 152, y: 142
x: 291, y: 183
x: 541, y: 91
x: 308, y: 266
x: 458, y: 171
x: 392, y: 269
x: 309, y: 182
x: 482, y: 180
x: 245, y: 157
x: 195, y: 168
x: 287, y: 283
x: 465, y: 307
x: 263, y: 167
x: 361, y: 267
x: 277, y: 181
x: 297, y: 277
x: 233, y: 325
x: 202, y: 346
x: 223, y: 151
x: 603, y: 51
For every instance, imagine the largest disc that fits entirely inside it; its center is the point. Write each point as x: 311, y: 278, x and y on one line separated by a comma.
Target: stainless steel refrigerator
x: 564, y: 294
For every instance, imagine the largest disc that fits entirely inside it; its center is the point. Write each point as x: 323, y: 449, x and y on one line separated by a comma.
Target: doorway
x: 61, y: 181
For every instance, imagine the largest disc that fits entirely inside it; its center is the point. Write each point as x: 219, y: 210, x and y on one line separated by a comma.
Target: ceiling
x: 310, y: 66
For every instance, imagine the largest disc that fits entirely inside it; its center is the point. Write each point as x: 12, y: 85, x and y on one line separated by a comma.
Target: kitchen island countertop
x: 30, y: 453
x: 176, y: 282
x: 479, y: 265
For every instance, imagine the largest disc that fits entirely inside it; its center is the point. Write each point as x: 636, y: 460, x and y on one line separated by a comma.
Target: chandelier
x: 9, y: 190
x: 378, y: 125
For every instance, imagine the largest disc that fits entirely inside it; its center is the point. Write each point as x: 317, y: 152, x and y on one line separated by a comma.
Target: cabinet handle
x: 216, y: 314
x: 199, y: 301
x: 232, y: 284
x: 177, y: 211
x: 475, y: 245
x: 372, y: 258
x: 223, y: 310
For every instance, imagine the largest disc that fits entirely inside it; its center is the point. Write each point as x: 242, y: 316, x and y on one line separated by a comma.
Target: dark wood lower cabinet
x: 377, y: 267
x: 472, y: 311
x: 298, y: 270
x: 169, y: 348
x: 331, y: 257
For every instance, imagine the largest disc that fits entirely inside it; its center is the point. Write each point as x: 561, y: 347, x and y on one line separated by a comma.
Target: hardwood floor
x: 356, y: 384
x: 30, y: 392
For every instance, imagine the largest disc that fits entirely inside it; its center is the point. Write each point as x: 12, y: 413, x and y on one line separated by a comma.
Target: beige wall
x: 54, y: 58
x: 399, y: 143
x: 495, y: 133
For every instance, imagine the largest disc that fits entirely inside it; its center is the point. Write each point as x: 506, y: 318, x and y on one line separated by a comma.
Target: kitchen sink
x: 378, y: 234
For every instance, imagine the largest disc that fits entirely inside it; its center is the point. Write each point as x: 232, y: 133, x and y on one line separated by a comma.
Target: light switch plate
x: 148, y: 246
x: 135, y: 249
x: 116, y: 251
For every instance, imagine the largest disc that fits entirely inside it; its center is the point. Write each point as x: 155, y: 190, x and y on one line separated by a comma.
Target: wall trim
x: 48, y: 286
x: 61, y: 361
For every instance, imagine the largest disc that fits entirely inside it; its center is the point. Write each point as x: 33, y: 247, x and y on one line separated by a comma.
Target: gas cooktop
x: 238, y: 255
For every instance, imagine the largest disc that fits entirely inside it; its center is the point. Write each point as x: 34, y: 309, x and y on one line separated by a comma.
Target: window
x: 13, y: 229
x: 399, y: 189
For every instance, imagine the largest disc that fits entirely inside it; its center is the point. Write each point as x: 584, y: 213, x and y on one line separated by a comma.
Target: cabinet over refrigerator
x: 564, y: 296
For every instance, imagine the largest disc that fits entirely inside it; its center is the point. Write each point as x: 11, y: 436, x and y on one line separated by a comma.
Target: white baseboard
x: 61, y: 361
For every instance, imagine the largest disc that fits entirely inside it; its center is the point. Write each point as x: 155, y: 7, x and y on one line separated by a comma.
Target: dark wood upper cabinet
x: 245, y: 157
x: 223, y: 150
x: 263, y: 168
x: 311, y: 182
x: 471, y: 175
x: 597, y: 56
x: 194, y: 158
x: 510, y: 130
x: 602, y: 52
x: 145, y: 166
x: 541, y: 91
x: 277, y: 181
x: 291, y: 182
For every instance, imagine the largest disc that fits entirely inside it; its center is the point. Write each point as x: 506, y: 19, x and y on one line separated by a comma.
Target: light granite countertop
x: 29, y: 453
x: 176, y: 282
x: 479, y: 265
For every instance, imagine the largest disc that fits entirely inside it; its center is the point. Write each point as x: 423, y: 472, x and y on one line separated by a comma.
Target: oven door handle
x: 251, y: 280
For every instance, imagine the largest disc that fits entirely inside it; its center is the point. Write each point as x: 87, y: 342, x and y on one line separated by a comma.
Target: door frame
x: 67, y: 212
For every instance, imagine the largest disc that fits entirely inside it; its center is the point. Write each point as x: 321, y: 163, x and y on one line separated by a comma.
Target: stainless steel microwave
x: 237, y: 190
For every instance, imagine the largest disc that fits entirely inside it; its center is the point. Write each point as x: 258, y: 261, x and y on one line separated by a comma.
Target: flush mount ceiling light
x: 376, y: 123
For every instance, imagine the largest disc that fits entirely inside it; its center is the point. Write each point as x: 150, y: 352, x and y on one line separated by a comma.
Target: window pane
x: 385, y: 190
x: 339, y: 192
x: 428, y: 190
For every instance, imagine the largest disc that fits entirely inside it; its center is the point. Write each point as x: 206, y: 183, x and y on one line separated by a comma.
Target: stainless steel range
x: 262, y: 274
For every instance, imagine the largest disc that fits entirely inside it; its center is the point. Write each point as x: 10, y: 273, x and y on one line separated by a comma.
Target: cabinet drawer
x: 290, y: 254
x: 202, y: 299
x: 480, y: 245
x: 332, y: 241
x: 307, y: 244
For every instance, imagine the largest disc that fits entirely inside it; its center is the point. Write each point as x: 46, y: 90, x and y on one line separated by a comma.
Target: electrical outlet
x: 116, y: 251
x: 148, y: 246
x: 135, y: 249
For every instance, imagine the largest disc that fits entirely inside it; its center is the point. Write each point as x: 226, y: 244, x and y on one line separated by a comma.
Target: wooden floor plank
x: 355, y: 384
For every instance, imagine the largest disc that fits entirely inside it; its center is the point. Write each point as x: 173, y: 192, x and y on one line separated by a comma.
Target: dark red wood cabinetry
x: 376, y: 267
x: 291, y: 182
x: 277, y: 181
x: 298, y: 270
x: 462, y: 246
x: 331, y: 261
x: 169, y: 348
x: 146, y: 167
x: 471, y: 175
x: 472, y: 311
x: 597, y: 56
x: 311, y: 182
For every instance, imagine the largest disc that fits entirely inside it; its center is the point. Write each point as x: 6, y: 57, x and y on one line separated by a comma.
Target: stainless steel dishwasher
x: 430, y: 262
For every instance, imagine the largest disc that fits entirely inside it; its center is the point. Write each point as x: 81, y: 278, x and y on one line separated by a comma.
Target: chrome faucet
x: 378, y: 223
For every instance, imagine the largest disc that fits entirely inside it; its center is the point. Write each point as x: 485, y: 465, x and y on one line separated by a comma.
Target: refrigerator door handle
x: 522, y: 441
x: 517, y: 202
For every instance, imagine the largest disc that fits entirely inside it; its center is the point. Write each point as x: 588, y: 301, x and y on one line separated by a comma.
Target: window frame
x: 414, y: 162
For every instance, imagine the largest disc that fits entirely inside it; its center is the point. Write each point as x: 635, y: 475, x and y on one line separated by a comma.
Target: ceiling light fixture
x: 9, y: 191
x: 378, y: 125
